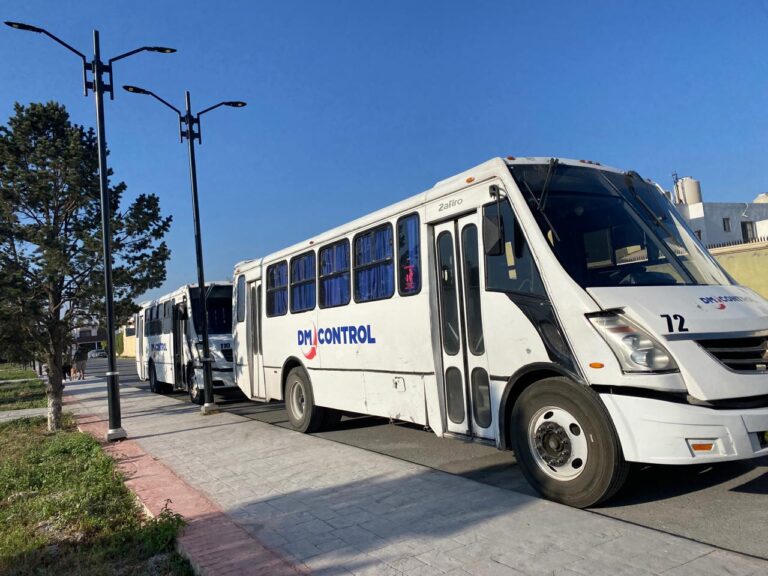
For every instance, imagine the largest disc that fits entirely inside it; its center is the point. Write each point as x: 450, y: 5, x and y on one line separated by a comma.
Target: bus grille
x: 227, y: 353
x: 740, y: 354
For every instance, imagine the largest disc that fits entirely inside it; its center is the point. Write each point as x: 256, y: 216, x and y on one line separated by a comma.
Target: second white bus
x: 557, y: 308
x: 169, y: 344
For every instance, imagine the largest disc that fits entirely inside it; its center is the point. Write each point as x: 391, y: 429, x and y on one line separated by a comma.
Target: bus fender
x: 519, y: 381
x: 290, y: 363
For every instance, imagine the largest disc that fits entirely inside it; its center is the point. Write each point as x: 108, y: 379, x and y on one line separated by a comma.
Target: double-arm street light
x: 97, y: 68
x: 189, y: 128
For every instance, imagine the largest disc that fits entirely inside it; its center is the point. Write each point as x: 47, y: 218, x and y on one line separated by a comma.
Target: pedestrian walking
x: 81, y: 359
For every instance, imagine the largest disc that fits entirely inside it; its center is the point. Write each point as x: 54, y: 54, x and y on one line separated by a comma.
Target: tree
x: 51, y: 265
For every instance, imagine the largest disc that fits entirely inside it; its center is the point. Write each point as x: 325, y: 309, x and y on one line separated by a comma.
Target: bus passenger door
x: 466, y: 389
x: 255, y: 364
x: 177, y: 342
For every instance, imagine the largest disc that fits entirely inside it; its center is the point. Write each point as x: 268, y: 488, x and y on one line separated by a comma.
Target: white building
x: 717, y: 223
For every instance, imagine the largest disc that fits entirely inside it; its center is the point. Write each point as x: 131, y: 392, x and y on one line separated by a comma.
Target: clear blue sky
x: 354, y: 105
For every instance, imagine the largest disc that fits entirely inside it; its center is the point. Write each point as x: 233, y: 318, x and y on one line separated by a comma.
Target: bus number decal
x: 671, y: 325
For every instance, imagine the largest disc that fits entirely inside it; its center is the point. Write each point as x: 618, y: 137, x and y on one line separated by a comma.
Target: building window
x: 408, y: 256
x: 303, y: 283
x: 277, y: 289
x: 698, y: 234
x: 334, y: 275
x: 374, y: 267
x: 726, y: 224
x: 748, y: 231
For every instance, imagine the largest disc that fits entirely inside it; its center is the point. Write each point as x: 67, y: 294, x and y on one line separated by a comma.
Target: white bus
x: 169, y: 344
x: 558, y: 308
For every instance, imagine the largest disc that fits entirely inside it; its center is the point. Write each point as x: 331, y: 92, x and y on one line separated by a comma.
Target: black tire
x: 541, y: 450
x: 196, y: 395
x: 303, y: 414
x: 154, y: 384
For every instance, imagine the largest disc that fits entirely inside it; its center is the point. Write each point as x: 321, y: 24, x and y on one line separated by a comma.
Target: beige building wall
x: 129, y: 347
x: 747, y: 263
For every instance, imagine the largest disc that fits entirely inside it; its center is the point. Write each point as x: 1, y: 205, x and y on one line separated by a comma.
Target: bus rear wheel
x: 566, y: 444
x: 303, y: 414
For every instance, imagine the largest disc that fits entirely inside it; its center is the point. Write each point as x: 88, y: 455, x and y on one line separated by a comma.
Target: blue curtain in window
x: 277, y: 289
x: 303, y: 283
x: 374, y: 252
x: 409, y: 263
x: 334, y: 275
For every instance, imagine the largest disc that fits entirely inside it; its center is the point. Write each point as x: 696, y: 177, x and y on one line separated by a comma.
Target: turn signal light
x: 596, y: 365
x: 470, y: 180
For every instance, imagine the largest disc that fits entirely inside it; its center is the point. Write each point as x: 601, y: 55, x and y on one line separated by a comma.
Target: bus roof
x: 441, y: 188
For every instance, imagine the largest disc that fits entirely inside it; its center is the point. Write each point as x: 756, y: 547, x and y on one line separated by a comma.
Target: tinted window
x: 241, y: 298
x: 514, y: 270
x: 408, y: 255
x: 303, y: 282
x: 219, y: 304
x: 471, y: 266
x: 374, y: 269
x: 334, y: 275
x: 277, y: 289
x: 449, y: 309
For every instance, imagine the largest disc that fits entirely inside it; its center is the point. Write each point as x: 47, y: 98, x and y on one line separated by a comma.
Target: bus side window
x: 240, y: 295
x: 514, y: 269
x: 334, y: 274
x: 408, y: 256
x: 303, y: 283
x: 374, y: 273
x: 277, y: 289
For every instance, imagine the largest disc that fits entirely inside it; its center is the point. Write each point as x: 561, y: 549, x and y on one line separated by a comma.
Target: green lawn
x: 20, y: 395
x: 65, y: 510
x: 15, y: 372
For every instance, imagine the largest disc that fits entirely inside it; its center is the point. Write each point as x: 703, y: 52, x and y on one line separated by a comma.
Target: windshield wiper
x: 553, y: 162
x: 658, y: 220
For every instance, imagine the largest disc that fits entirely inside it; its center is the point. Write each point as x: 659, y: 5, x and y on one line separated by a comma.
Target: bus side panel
x: 339, y: 389
x: 396, y: 396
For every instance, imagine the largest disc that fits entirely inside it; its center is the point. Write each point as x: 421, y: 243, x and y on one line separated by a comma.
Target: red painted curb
x: 211, y: 541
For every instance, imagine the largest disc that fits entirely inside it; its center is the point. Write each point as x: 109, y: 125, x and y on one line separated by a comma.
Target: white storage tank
x: 688, y: 190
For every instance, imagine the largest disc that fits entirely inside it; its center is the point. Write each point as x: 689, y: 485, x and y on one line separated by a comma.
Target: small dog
x: 67, y: 370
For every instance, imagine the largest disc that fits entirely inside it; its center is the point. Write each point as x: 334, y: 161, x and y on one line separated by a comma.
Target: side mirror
x: 182, y: 308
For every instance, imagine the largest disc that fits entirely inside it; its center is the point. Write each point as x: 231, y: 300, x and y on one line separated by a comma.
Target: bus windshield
x: 219, y: 309
x: 610, y: 229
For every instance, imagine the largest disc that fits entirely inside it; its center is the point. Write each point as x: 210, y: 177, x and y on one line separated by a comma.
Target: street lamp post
x: 189, y: 128
x: 97, y: 68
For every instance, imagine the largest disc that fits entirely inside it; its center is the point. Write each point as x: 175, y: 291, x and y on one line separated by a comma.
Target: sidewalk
x: 328, y: 508
x: 8, y: 415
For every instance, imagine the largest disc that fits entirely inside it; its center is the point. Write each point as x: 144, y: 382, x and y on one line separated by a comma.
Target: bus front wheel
x: 566, y: 444
x: 196, y: 395
x: 303, y: 414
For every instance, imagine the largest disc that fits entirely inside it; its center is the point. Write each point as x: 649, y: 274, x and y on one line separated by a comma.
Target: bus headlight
x: 636, y: 350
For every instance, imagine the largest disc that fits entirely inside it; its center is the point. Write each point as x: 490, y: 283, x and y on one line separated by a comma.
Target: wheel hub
x: 552, y: 444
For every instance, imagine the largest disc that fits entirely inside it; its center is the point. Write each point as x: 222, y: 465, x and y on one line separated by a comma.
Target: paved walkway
x: 8, y: 415
x: 328, y: 508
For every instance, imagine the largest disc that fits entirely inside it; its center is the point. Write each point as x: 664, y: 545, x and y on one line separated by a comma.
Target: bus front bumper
x: 659, y: 432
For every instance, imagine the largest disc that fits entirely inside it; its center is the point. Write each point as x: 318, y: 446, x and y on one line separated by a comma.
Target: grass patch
x: 15, y: 372
x: 65, y: 510
x: 21, y: 395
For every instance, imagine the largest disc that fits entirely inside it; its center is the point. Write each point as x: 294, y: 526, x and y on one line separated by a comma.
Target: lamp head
x: 235, y: 103
x: 27, y: 27
x: 161, y: 49
x: 135, y: 90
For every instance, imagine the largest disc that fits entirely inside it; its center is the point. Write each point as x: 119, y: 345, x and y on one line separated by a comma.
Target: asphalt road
x: 724, y: 505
